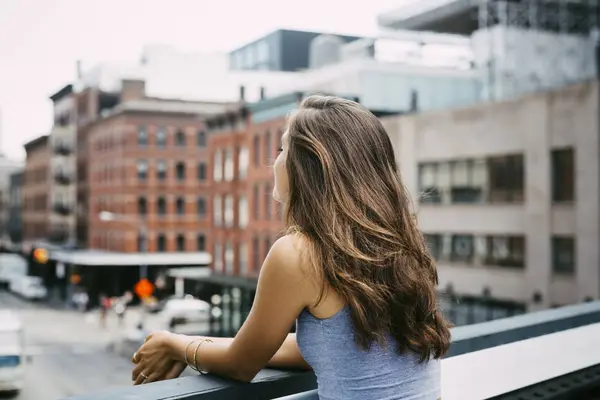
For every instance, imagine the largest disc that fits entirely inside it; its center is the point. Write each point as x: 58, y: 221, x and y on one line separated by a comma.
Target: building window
x: 218, y: 166
x: 243, y: 258
x: 201, y: 242
x: 201, y: 207
x: 180, y: 206
x: 268, y: 201
x: 497, y: 179
x: 467, y: 181
x: 243, y: 161
x: 217, y: 212
x: 180, y: 242
x: 218, y: 257
x: 142, y: 206
x: 161, y: 170
x: 180, y: 171
x: 435, y: 244
x: 242, y: 212
x: 201, y: 138
x: 462, y: 248
x: 268, y: 149
x: 142, y: 170
x: 228, y: 168
x: 563, y: 175
x: 256, y: 150
x: 161, y: 206
x: 256, y: 202
x: 428, y: 183
x: 229, y: 256
x: 161, y: 243
x: 180, y: 139
x: 506, y: 179
x: 229, y: 210
x: 505, y: 251
x: 142, y: 136
x: 563, y: 255
x: 141, y: 244
x: 255, y: 254
x: 263, y: 51
x: 161, y: 137
x: 202, y: 171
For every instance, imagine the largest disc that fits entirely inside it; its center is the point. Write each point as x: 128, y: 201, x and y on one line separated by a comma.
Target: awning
x: 108, y: 258
x: 189, y: 273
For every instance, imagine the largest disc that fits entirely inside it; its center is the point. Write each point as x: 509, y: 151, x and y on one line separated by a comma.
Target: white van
x: 12, y: 353
x: 29, y: 287
x: 12, y: 266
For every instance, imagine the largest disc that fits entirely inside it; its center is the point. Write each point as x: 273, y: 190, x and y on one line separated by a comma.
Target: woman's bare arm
x: 283, y: 291
x: 288, y: 355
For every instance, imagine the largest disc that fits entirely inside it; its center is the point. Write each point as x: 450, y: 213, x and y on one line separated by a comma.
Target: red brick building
x: 246, y: 219
x: 36, y: 186
x: 147, y: 165
x: 229, y: 158
x: 265, y: 213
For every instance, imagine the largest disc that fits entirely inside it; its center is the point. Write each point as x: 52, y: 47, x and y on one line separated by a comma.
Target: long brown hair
x: 347, y: 199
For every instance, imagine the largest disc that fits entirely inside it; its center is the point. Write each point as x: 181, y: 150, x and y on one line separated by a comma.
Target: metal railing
x: 62, y: 209
x: 63, y: 178
x: 536, y: 337
x: 63, y: 149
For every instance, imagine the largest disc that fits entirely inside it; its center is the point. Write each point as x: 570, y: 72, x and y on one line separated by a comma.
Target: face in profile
x: 281, y: 188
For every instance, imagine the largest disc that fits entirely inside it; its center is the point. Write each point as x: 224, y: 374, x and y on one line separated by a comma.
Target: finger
x: 136, y: 371
x: 175, y: 370
x: 141, y: 378
x: 153, y: 378
x: 134, y: 358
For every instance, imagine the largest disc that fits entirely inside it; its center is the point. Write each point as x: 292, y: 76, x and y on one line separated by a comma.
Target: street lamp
x: 108, y: 216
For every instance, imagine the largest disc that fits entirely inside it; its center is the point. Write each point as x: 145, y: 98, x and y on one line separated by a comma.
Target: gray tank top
x: 345, y: 372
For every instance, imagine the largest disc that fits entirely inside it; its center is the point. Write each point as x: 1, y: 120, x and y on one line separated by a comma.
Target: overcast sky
x: 41, y: 40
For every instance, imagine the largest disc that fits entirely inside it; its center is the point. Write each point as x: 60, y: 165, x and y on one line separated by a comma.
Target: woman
x: 353, y: 271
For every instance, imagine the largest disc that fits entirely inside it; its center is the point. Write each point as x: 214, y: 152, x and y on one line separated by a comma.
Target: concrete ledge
x: 268, y: 384
x: 469, y: 338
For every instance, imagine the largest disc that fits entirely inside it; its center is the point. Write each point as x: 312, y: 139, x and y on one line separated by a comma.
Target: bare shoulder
x: 286, y: 259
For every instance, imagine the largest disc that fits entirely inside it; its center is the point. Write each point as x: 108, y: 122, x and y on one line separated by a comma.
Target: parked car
x: 12, y: 353
x: 12, y: 266
x: 29, y: 287
x: 178, y: 311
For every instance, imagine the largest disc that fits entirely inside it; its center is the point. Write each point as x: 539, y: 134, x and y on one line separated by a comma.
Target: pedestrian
x: 120, y: 307
x: 353, y: 271
x: 104, y: 307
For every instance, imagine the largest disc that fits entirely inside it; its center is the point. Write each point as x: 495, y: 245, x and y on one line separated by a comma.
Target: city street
x: 68, y: 352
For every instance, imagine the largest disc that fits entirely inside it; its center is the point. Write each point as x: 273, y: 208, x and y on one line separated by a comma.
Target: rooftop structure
x: 519, y: 46
x: 464, y: 17
x: 171, y: 73
x: 281, y: 50
x: 387, y: 85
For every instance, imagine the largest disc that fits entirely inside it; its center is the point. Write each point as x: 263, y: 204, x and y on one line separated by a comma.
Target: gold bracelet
x: 185, y: 354
x: 196, y: 353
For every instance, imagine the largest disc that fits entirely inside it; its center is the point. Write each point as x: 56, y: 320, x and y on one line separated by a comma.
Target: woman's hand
x: 154, y: 359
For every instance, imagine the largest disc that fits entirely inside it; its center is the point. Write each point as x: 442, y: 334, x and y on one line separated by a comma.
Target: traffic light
x: 40, y: 255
